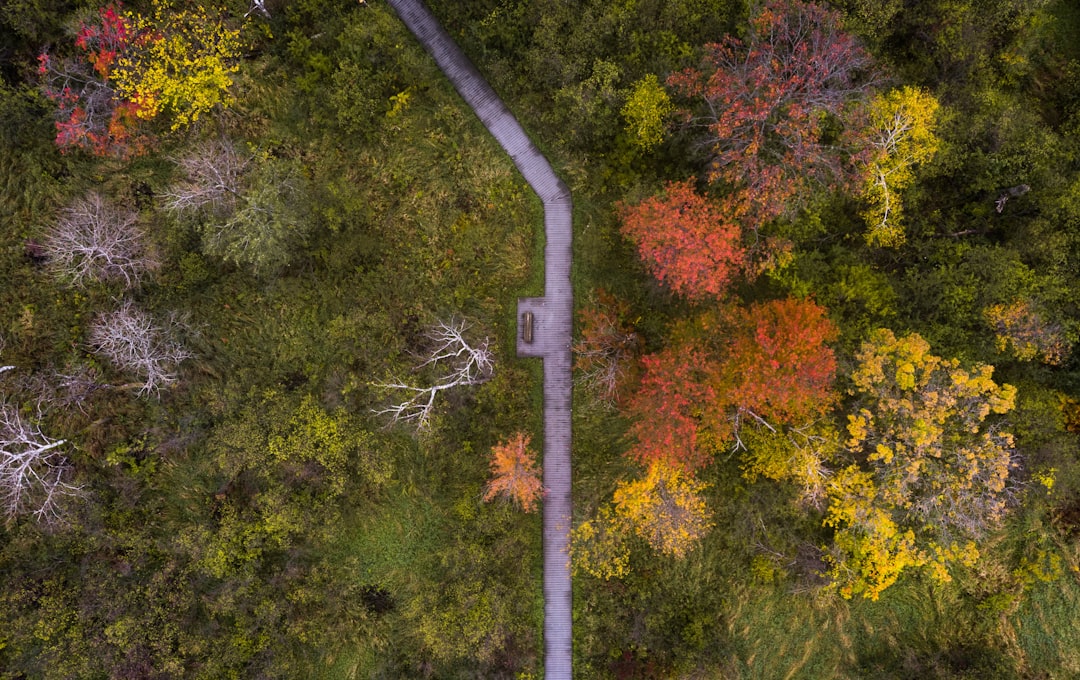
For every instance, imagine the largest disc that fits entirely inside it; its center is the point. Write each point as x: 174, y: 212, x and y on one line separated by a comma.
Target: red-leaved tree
x: 90, y: 115
x: 686, y: 241
x: 763, y: 100
x: 672, y: 405
x: 778, y: 365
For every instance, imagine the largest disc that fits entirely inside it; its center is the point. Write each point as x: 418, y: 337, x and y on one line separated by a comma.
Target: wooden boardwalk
x: 553, y: 314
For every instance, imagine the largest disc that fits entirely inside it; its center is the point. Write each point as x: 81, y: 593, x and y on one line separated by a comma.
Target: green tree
x: 248, y: 204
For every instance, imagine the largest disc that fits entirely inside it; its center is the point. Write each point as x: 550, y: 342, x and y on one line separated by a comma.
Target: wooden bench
x: 527, y: 321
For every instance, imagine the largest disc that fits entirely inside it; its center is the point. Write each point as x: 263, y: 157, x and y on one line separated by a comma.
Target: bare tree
x: 75, y: 385
x: 605, y: 356
x: 465, y: 364
x: 97, y: 240
x: 129, y: 339
x: 33, y: 468
x: 258, y: 6
x: 213, y: 179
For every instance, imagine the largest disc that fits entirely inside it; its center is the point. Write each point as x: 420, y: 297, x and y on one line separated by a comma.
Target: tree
x: 179, y: 63
x: 686, y: 241
x: 799, y: 455
x: 769, y: 363
x: 286, y: 462
x: 1022, y: 329
x: 606, y: 353
x: 645, y: 112
x: 249, y: 204
x: 129, y: 339
x: 33, y: 468
x: 777, y: 364
x: 598, y: 546
x: 514, y: 475
x: 900, y: 135
x: 665, y: 508
x: 938, y: 472
x: 675, y: 401
x: 467, y: 365
x: 214, y: 174
x: 97, y: 240
x: 91, y: 115
x: 765, y: 101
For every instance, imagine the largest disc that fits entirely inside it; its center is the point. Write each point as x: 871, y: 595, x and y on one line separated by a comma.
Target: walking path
x: 553, y: 316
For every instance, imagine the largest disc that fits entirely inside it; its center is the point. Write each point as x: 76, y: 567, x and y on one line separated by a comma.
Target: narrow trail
x: 553, y: 314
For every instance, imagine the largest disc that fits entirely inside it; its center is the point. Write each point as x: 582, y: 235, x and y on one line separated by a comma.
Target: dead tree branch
x: 33, y: 469
x: 129, y: 339
x: 214, y: 174
x: 96, y: 240
x: 467, y: 365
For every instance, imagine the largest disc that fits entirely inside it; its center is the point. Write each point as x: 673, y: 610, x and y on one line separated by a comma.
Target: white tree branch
x: 129, y: 339
x: 466, y: 365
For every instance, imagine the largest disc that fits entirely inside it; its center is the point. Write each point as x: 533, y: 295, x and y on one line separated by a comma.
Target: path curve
x: 553, y: 319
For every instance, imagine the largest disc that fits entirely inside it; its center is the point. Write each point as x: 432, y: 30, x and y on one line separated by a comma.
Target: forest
x: 261, y: 414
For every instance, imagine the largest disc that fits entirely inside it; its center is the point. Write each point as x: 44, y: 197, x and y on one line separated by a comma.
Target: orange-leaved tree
x: 777, y: 363
x: 770, y: 362
x: 687, y: 241
x: 514, y: 475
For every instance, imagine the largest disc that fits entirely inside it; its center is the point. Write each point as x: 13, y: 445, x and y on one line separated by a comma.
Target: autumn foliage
x: 937, y: 467
x: 180, y: 64
x: 665, y: 508
x: 129, y: 68
x: 675, y: 400
x: 778, y: 363
x: 1026, y: 333
x: 769, y: 361
x: 606, y: 355
x: 899, y: 133
x: 90, y: 115
x: 514, y: 475
x: 686, y: 241
x: 764, y: 101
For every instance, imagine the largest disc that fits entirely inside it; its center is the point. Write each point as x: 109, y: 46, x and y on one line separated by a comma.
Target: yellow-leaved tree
x: 937, y: 467
x: 665, y: 508
x: 598, y: 546
x: 1020, y: 328
x: 645, y: 112
x: 180, y: 62
x: 901, y: 135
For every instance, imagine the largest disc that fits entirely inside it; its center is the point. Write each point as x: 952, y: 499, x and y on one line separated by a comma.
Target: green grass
x: 1047, y: 638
